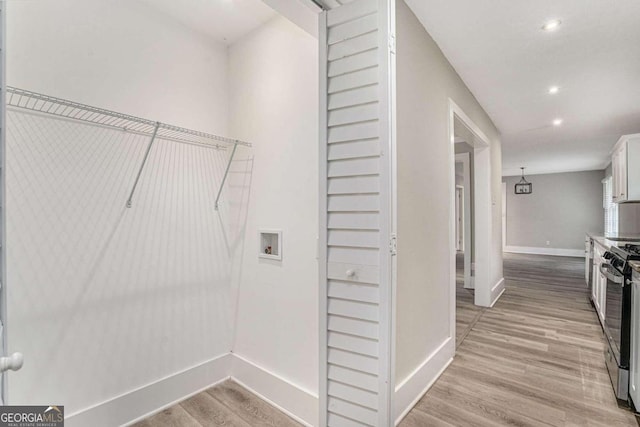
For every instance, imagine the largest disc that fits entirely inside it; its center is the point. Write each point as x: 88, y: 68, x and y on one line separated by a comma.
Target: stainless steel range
x: 617, y: 319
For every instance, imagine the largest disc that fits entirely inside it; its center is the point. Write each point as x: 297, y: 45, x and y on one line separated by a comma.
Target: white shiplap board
x: 356, y: 213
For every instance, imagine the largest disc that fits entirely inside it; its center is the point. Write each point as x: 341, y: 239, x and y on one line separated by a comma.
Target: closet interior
x: 146, y: 156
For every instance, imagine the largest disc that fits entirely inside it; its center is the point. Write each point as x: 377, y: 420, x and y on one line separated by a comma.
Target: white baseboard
x: 301, y: 405
x: 140, y: 403
x: 136, y: 405
x: 497, y: 291
x: 413, y: 388
x: 544, y: 251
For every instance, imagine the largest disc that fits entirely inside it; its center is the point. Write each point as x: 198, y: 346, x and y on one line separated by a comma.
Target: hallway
x: 534, y: 359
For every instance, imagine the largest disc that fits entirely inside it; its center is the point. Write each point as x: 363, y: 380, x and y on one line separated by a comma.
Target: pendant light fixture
x: 523, y: 186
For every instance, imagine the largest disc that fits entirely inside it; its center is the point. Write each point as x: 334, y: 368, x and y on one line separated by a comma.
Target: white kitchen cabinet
x: 599, y: 289
x: 587, y: 257
x: 596, y: 280
x: 634, y: 368
x: 596, y: 284
x: 625, y: 163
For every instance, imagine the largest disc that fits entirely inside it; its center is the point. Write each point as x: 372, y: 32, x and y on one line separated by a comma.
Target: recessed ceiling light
x: 553, y: 90
x: 557, y: 122
x: 552, y: 25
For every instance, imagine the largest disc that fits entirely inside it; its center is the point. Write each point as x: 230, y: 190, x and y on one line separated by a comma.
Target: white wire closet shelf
x: 44, y: 104
x: 28, y: 100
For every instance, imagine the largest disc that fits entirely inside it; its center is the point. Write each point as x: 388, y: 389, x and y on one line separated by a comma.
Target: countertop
x: 603, y: 242
x: 606, y: 242
x: 635, y: 265
x: 622, y: 237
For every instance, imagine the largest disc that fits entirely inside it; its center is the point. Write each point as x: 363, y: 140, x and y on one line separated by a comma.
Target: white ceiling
x: 224, y: 21
x: 508, y: 62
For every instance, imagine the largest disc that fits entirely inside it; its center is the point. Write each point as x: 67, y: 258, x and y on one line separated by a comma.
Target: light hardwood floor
x: 535, y: 359
x: 467, y: 313
x: 227, y: 404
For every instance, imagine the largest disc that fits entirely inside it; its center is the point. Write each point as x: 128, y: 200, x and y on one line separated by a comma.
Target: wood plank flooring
x: 535, y: 359
x: 227, y: 404
x: 467, y: 313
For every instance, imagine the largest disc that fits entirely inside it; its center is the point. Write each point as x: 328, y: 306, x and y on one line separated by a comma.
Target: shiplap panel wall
x: 355, y: 217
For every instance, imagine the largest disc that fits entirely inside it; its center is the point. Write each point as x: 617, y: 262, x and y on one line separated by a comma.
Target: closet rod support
x: 226, y: 172
x: 144, y: 162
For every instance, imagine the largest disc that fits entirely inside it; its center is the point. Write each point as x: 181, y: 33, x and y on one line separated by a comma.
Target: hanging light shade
x: 523, y: 186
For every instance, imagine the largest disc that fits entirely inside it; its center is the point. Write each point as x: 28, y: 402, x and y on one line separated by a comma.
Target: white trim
x: 452, y: 224
x: 303, y: 13
x: 460, y: 217
x: 623, y: 139
x: 496, y: 291
x: 136, y: 405
x: 409, y: 392
x: 544, y: 251
x: 497, y: 285
x: 482, y: 203
x: 140, y: 403
x: 470, y: 124
x: 504, y: 215
x: 498, y: 297
x: 387, y: 126
x: 393, y: 209
x: 464, y: 158
x: 322, y: 220
x: 293, y: 400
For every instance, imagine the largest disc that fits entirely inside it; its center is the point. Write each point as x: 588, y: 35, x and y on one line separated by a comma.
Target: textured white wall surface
x: 274, y: 102
x: 104, y: 299
x: 120, y: 55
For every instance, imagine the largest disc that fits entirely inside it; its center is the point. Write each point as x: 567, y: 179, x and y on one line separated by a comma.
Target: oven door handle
x: 605, y: 269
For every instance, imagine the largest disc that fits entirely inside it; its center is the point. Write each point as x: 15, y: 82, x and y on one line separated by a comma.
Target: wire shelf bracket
x: 144, y: 162
x: 49, y: 105
x: 224, y: 178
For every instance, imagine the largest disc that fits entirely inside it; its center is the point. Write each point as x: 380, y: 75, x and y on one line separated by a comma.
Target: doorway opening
x: 470, y: 254
x: 467, y: 312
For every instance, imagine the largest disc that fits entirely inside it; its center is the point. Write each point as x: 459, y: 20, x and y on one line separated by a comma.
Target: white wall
x: 425, y: 83
x: 121, y: 55
x: 560, y: 210
x: 274, y: 103
x: 102, y: 299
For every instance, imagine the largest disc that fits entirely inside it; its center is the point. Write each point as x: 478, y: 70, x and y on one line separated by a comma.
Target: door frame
x: 504, y: 216
x: 460, y: 217
x: 484, y: 289
x: 464, y: 158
